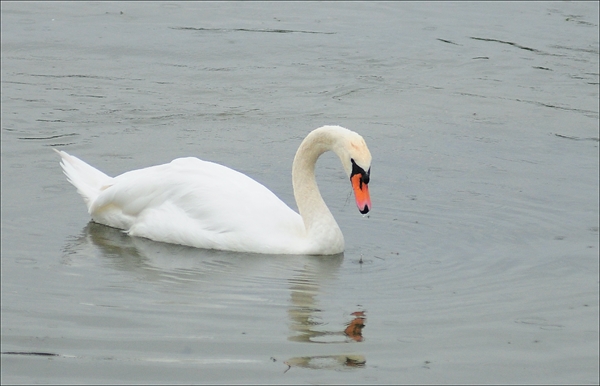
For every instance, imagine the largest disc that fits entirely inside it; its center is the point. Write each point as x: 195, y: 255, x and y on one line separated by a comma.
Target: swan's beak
x: 361, y: 193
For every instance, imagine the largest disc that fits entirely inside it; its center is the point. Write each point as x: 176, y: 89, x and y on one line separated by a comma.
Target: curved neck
x: 312, y: 208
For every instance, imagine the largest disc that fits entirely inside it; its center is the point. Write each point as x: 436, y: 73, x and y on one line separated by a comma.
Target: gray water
x: 477, y: 264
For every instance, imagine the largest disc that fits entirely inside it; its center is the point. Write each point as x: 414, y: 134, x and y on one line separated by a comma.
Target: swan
x: 206, y: 205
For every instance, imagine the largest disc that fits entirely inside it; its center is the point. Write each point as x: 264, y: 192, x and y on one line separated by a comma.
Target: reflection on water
x: 308, y: 324
x: 154, y: 261
x: 151, y: 260
x: 354, y: 328
x: 327, y: 362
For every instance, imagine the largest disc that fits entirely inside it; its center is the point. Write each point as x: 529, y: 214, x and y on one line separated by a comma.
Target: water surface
x: 478, y: 263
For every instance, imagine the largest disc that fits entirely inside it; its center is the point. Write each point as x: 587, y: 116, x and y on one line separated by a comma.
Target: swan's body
x: 205, y: 205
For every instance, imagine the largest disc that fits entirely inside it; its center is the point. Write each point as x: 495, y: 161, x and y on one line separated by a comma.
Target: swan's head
x: 356, y: 159
x: 353, y: 152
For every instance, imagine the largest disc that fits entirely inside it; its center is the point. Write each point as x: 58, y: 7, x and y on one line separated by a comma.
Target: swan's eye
x: 364, y: 176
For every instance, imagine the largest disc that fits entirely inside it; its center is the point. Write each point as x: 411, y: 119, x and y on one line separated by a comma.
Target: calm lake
x: 478, y: 263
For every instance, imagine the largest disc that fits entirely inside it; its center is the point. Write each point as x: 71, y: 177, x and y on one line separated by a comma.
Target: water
x: 478, y: 263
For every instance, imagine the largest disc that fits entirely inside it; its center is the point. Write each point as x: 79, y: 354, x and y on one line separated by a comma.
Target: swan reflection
x: 308, y: 324
x: 220, y: 272
x: 306, y: 317
x: 154, y: 261
x: 327, y: 362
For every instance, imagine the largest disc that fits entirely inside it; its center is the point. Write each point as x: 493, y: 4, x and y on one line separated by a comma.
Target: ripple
x: 540, y: 322
x: 26, y: 260
x: 410, y: 339
x: 423, y: 288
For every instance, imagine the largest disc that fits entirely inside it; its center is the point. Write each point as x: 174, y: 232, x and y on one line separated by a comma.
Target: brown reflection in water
x: 354, y: 329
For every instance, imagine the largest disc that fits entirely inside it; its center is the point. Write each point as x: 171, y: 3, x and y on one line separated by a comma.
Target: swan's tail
x: 88, y: 180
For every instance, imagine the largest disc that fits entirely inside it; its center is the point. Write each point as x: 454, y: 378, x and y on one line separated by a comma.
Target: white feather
x: 206, y: 205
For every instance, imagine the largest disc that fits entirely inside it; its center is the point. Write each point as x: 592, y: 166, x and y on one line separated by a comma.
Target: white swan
x: 206, y: 205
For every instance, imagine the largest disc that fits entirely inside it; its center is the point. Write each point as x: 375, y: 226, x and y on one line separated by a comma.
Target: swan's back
x: 196, y: 203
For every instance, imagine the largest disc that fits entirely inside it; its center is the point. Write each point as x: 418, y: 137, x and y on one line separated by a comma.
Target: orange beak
x: 361, y: 193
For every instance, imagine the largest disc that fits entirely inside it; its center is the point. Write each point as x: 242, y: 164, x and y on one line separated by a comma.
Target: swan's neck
x: 318, y: 220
